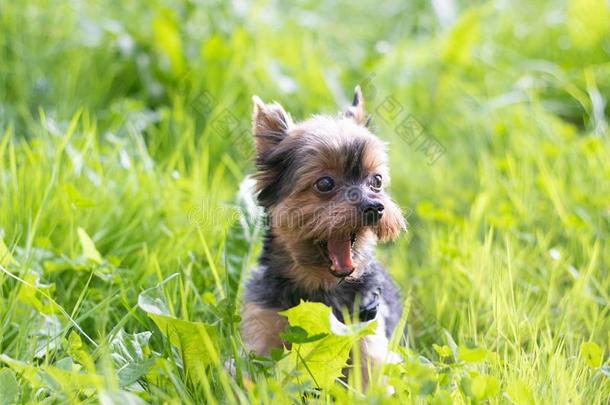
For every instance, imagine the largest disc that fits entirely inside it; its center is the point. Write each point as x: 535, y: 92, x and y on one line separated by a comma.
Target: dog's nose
x: 372, y: 212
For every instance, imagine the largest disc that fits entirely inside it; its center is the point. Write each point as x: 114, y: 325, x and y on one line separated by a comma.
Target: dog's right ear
x: 270, y: 124
x: 356, y: 110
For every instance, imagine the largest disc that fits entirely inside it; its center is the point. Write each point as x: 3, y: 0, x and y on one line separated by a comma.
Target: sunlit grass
x: 119, y: 195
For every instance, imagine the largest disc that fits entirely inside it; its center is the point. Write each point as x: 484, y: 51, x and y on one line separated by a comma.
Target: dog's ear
x: 270, y: 124
x: 356, y: 110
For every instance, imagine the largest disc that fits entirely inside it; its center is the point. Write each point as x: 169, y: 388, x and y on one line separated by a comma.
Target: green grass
x: 118, y: 194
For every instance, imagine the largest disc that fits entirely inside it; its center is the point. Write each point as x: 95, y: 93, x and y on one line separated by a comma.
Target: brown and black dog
x: 322, y: 183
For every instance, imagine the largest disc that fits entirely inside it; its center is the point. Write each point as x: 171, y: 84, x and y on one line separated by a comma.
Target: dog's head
x: 323, y: 184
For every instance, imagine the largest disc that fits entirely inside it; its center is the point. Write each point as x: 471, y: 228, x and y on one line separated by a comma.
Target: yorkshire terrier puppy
x: 322, y: 183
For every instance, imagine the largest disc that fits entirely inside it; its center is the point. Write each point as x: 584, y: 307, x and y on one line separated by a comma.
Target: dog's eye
x: 324, y: 184
x: 376, y: 182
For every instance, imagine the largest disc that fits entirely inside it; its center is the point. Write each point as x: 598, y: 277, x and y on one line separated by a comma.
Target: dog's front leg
x: 261, y: 328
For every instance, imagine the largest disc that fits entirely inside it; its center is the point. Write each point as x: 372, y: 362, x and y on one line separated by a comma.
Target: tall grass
x: 119, y: 181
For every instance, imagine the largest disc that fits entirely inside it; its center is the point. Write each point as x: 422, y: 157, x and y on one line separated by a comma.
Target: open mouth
x: 340, y: 253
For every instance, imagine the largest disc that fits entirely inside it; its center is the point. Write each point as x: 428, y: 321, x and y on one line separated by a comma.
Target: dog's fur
x: 294, y: 264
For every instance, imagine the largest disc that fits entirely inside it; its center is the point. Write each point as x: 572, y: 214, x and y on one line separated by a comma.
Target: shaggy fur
x: 295, y: 263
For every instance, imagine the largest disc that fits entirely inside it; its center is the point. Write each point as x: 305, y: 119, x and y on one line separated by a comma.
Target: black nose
x: 372, y: 212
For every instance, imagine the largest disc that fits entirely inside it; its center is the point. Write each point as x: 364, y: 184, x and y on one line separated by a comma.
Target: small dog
x: 322, y: 184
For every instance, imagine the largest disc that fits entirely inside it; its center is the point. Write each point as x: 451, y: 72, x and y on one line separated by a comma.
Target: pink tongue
x: 340, y: 252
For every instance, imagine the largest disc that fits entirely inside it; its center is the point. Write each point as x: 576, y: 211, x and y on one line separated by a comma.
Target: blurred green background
x: 124, y: 137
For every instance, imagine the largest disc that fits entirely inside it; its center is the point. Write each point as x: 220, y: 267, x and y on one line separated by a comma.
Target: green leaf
x: 89, y: 250
x: 519, y: 393
x: 27, y: 292
x: 443, y: 351
x: 71, y: 380
x: 9, y: 388
x: 74, y: 341
x: 428, y: 387
x: 129, y: 348
x: 466, y: 386
x: 313, y: 317
x: 451, y: 343
x: 120, y: 397
x: 484, y: 386
x: 277, y: 354
x: 296, y: 334
x: 442, y: 397
x: 196, y: 341
x: 592, y: 354
x: 322, y: 359
x: 44, y: 334
x: 29, y: 373
x: 152, y: 301
x: 53, y: 377
x: 132, y: 372
x: 473, y: 355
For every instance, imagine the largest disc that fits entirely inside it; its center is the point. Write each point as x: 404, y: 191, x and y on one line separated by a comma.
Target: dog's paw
x: 369, y: 306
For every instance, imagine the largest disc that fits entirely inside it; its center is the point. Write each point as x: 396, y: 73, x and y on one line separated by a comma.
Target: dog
x: 322, y: 184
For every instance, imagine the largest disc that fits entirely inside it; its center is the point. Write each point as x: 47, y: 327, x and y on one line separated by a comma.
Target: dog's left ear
x: 270, y: 125
x: 356, y: 110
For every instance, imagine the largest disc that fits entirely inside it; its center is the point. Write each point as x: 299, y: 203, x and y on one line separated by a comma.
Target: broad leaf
x: 484, y: 386
x: 592, y: 354
x: 120, y: 397
x: 129, y: 348
x: 327, y: 346
x: 195, y: 341
x: 519, y: 393
x: 89, y: 250
x: 44, y: 334
x: 443, y: 351
x: 132, y: 372
x: 53, y: 377
x: 473, y: 355
x: 451, y: 343
x: 296, y: 334
x: 9, y: 388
